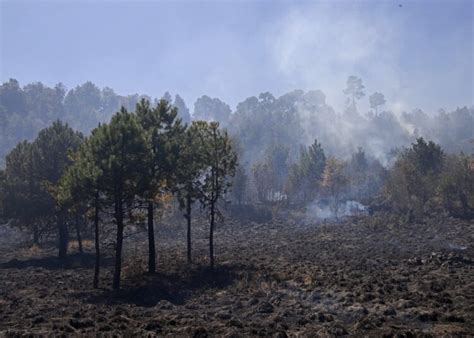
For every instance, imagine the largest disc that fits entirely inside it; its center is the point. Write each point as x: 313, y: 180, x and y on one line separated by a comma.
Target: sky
x: 419, y: 54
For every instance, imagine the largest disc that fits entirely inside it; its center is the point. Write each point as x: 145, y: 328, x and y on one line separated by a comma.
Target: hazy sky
x: 419, y: 54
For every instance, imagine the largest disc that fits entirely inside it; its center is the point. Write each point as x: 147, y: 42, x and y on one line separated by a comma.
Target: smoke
x: 321, y: 210
x: 341, y: 134
x: 319, y: 46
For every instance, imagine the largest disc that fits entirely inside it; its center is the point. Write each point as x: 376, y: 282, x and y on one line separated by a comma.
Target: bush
x: 424, y: 181
x: 456, y: 186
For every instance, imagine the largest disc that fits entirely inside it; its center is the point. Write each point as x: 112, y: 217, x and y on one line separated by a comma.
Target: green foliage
x: 456, y: 186
x: 413, y: 179
x: 162, y: 132
x: 120, y: 154
x: 80, y: 183
x: 358, y: 172
x: 426, y: 157
x: 305, y: 175
x: 23, y: 198
x: 31, y: 179
x: 51, y: 151
x: 219, y: 160
x: 190, y: 166
x: 218, y: 157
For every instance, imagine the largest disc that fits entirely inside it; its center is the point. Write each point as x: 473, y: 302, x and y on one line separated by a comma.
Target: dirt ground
x: 363, y: 276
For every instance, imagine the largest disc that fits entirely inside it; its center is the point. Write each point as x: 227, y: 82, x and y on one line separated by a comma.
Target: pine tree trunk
x: 188, y: 218
x: 78, y: 235
x: 63, y: 238
x: 151, y: 240
x: 119, y: 243
x: 97, y: 243
x: 211, y: 238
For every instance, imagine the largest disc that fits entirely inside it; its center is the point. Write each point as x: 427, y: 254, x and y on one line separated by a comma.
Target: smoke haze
x: 410, y: 51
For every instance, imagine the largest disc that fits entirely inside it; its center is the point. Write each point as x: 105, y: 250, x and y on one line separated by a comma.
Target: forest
x: 110, y: 182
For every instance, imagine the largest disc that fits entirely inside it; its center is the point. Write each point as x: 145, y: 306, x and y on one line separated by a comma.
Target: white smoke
x: 319, y: 46
x: 319, y: 210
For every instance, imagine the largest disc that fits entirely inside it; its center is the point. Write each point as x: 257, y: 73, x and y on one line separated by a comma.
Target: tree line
x: 124, y: 169
x: 294, y: 119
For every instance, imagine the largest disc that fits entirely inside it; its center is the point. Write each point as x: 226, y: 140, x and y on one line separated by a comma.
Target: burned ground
x: 361, y: 276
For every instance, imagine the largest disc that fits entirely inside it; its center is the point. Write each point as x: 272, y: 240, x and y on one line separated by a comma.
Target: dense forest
x: 89, y: 165
x: 292, y: 120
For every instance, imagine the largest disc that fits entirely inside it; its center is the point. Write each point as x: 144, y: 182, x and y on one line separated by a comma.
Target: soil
x: 362, y: 276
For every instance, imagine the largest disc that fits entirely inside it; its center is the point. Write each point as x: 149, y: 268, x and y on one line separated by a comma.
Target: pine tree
x: 190, y: 169
x: 162, y: 130
x: 220, y: 162
x: 50, y: 158
x: 354, y: 89
x: 120, y: 153
x: 79, y: 191
x: 23, y: 200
